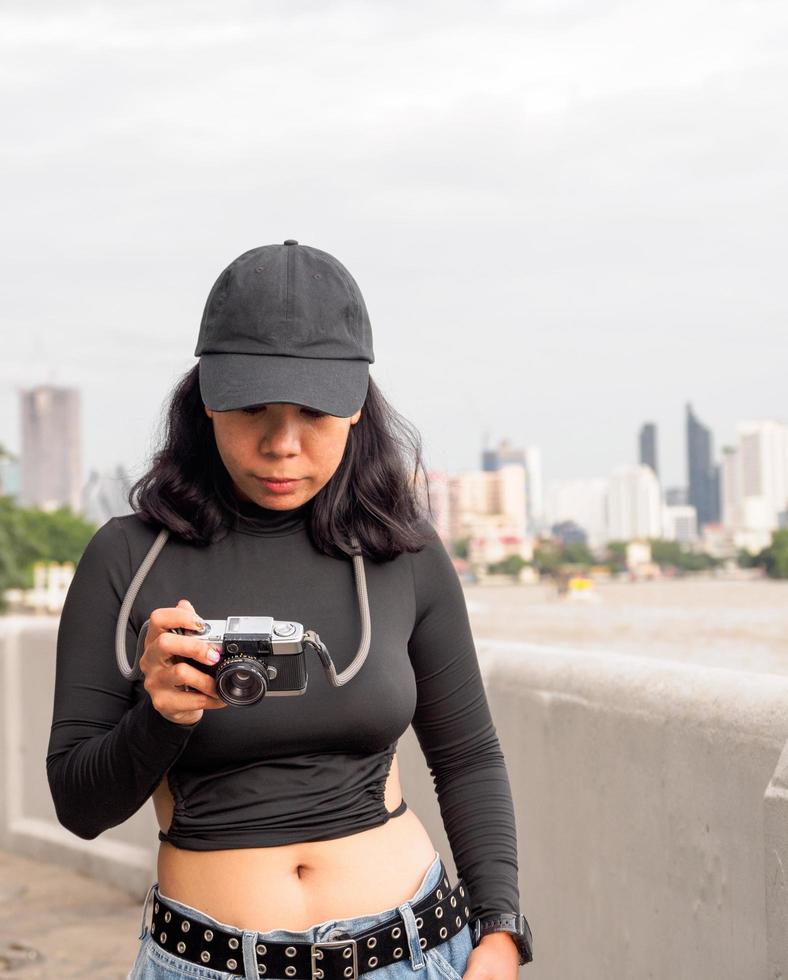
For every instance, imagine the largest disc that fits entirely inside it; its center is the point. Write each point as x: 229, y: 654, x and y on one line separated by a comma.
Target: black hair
x: 374, y: 493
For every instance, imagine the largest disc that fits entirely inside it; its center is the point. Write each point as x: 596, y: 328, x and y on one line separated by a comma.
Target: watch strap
x: 515, y: 924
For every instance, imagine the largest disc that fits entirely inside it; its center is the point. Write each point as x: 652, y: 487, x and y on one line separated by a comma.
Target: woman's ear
x: 355, y: 418
x: 208, y: 412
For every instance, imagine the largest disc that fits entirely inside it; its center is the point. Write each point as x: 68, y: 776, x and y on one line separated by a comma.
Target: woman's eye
x: 311, y: 412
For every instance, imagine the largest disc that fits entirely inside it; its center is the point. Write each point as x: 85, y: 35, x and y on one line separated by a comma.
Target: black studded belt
x: 439, y: 916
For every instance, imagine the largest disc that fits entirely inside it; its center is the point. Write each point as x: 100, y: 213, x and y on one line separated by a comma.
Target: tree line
x: 551, y: 556
x: 29, y: 535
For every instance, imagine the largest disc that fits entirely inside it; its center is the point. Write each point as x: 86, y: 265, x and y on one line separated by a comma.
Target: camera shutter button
x: 284, y: 629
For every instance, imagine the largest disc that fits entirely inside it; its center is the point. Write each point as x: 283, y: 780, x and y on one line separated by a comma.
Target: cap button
x: 290, y: 241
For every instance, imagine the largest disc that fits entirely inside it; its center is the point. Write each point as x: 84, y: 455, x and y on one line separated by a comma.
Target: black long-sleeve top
x: 286, y: 769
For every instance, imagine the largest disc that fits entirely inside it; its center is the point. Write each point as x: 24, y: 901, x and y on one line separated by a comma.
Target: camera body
x: 260, y: 656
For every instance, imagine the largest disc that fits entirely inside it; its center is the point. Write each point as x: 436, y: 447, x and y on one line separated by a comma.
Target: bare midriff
x: 295, y: 886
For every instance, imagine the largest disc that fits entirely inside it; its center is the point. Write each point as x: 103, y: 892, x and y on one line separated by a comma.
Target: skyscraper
x: 647, y: 444
x: 634, y: 508
x: 754, y: 487
x: 505, y: 454
x: 51, y: 448
x: 702, y: 475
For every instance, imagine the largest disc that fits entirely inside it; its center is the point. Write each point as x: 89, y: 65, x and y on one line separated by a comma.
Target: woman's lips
x: 278, y: 486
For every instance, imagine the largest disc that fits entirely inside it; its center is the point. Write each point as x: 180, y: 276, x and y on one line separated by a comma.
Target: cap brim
x: 230, y: 381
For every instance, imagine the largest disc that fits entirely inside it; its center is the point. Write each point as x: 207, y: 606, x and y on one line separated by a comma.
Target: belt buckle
x: 317, y: 954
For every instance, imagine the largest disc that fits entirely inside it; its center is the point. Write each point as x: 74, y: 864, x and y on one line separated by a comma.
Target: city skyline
x: 473, y: 455
x: 489, y: 450
x: 503, y: 501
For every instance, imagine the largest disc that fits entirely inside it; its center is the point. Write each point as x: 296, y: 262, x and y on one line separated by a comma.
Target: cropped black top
x: 286, y: 769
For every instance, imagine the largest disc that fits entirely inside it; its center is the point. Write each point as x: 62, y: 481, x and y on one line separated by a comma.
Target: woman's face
x: 278, y: 440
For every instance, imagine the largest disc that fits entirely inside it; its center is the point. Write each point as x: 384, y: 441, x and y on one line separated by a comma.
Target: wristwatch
x: 517, y: 925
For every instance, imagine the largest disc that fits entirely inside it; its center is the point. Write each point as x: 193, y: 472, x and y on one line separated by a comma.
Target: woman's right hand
x: 162, y: 675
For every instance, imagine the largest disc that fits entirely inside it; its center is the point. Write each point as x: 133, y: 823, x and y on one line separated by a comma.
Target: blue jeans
x: 446, y: 961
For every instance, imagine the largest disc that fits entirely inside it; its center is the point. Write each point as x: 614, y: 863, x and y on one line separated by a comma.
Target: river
x: 741, y: 625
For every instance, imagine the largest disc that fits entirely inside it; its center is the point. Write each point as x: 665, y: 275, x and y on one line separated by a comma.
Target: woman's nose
x: 281, y: 437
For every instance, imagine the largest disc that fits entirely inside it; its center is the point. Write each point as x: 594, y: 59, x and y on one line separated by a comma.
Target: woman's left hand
x: 495, y: 958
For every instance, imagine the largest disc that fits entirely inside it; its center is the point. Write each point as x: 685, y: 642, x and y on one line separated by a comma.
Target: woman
x: 286, y: 849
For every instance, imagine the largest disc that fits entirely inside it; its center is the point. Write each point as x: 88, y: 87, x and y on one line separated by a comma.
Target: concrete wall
x: 651, y: 800
x: 125, y: 855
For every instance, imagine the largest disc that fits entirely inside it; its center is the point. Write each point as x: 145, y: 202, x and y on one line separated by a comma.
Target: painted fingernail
x: 213, y: 656
x: 199, y: 624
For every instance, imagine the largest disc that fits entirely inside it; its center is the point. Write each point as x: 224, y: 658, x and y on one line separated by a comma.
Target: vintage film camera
x: 260, y: 657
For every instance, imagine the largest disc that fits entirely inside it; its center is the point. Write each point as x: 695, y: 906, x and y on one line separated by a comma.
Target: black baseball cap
x: 285, y: 323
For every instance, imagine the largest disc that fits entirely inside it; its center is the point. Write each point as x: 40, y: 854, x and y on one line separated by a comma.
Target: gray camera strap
x: 133, y: 672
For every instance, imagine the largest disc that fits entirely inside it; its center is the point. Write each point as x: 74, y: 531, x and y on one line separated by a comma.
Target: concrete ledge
x: 639, y: 787
x: 776, y: 851
x: 124, y: 856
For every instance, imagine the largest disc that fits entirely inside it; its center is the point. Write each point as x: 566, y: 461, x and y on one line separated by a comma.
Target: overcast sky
x: 566, y: 217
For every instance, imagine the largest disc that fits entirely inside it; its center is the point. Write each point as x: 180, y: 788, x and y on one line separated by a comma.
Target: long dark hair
x: 374, y: 493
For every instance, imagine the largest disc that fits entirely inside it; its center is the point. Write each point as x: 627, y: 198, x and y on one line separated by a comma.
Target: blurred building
x: 676, y: 496
x: 534, y: 490
x: 754, y: 482
x: 105, y: 495
x: 582, y: 501
x: 702, y: 474
x: 51, y: 581
x: 51, y: 448
x: 488, y: 508
x: 634, y: 503
x: 504, y: 452
x: 10, y: 476
x: 717, y: 541
x: 531, y: 461
x: 568, y: 532
x: 647, y: 446
x: 680, y: 524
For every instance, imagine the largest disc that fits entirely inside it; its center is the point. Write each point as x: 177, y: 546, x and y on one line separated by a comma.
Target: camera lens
x: 242, y: 684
